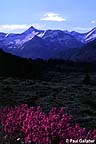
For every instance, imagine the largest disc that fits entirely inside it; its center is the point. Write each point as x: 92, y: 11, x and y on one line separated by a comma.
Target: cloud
x: 82, y: 29
x: 53, y: 17
x: 93, y: 21
x: 16, y: 27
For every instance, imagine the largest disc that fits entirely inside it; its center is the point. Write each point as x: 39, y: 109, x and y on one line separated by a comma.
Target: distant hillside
x: 11, y: 65
x: 86, y: 54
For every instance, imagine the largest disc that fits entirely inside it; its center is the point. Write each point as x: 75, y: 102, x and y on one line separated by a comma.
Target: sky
x: 73, y: 15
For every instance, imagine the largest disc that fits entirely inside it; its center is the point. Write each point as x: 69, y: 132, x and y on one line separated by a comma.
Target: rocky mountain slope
x: 45, y: 44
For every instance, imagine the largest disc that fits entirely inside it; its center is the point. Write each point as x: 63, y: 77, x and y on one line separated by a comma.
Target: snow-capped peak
x: 90, y: 32
x: 91, y: 35
x: 29, y: 30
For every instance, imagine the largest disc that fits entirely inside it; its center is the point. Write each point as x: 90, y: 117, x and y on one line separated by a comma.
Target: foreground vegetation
x: 57, y: 90
x: 31, y: 125
x: 48, y: 84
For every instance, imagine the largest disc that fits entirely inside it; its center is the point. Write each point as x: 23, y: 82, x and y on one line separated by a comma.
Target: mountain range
x: 46, y: 44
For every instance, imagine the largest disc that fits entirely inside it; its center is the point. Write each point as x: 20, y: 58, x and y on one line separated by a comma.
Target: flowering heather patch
x: 31, y: 125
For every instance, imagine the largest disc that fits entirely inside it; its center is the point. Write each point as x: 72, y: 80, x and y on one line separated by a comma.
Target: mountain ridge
x: 34, y: 43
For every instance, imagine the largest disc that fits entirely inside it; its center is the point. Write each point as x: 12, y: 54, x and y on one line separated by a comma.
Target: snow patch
x: 41, y: 34
x: 7, y: 35
x: 89, y: 33
x: 91, y: 37
x: 27, y: 38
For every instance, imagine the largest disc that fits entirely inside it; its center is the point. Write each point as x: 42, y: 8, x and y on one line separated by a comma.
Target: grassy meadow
x: 54, y: 89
